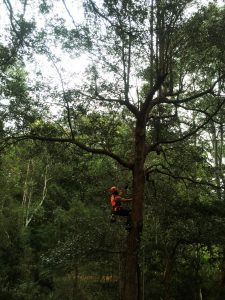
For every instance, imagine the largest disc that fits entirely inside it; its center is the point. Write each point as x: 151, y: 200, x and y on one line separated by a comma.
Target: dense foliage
x: 69, y: 249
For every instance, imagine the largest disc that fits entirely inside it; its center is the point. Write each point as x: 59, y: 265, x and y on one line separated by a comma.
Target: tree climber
x: 117, y: 209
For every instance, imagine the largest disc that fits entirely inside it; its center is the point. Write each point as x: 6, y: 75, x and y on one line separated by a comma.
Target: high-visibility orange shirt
x: 116, y: 202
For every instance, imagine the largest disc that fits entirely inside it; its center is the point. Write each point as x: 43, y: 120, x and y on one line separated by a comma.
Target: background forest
x: 77, y: 78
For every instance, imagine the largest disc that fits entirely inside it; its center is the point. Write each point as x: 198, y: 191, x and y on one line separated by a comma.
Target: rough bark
x: 132, y: 289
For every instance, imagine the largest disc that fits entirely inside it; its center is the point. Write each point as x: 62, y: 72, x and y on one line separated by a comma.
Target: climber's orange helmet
x: 113, y: 189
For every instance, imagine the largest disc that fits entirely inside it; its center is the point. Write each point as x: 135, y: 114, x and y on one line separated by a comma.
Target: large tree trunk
x: 132, y: 288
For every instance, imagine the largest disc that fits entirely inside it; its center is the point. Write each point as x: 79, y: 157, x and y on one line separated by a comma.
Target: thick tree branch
x: 149, y: 103
x: 165, y: 100
x: 198, y: 110
x: 97, y: 11
x: 187, y: 135
x: 19, y: 41
x: 197, y: 128
x: 183, y: 178
x: 79, y: 144
x: 97, y: 97
x: 11, y: 15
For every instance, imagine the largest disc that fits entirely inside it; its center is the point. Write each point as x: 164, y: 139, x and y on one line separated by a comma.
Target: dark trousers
x: 124, y: 212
